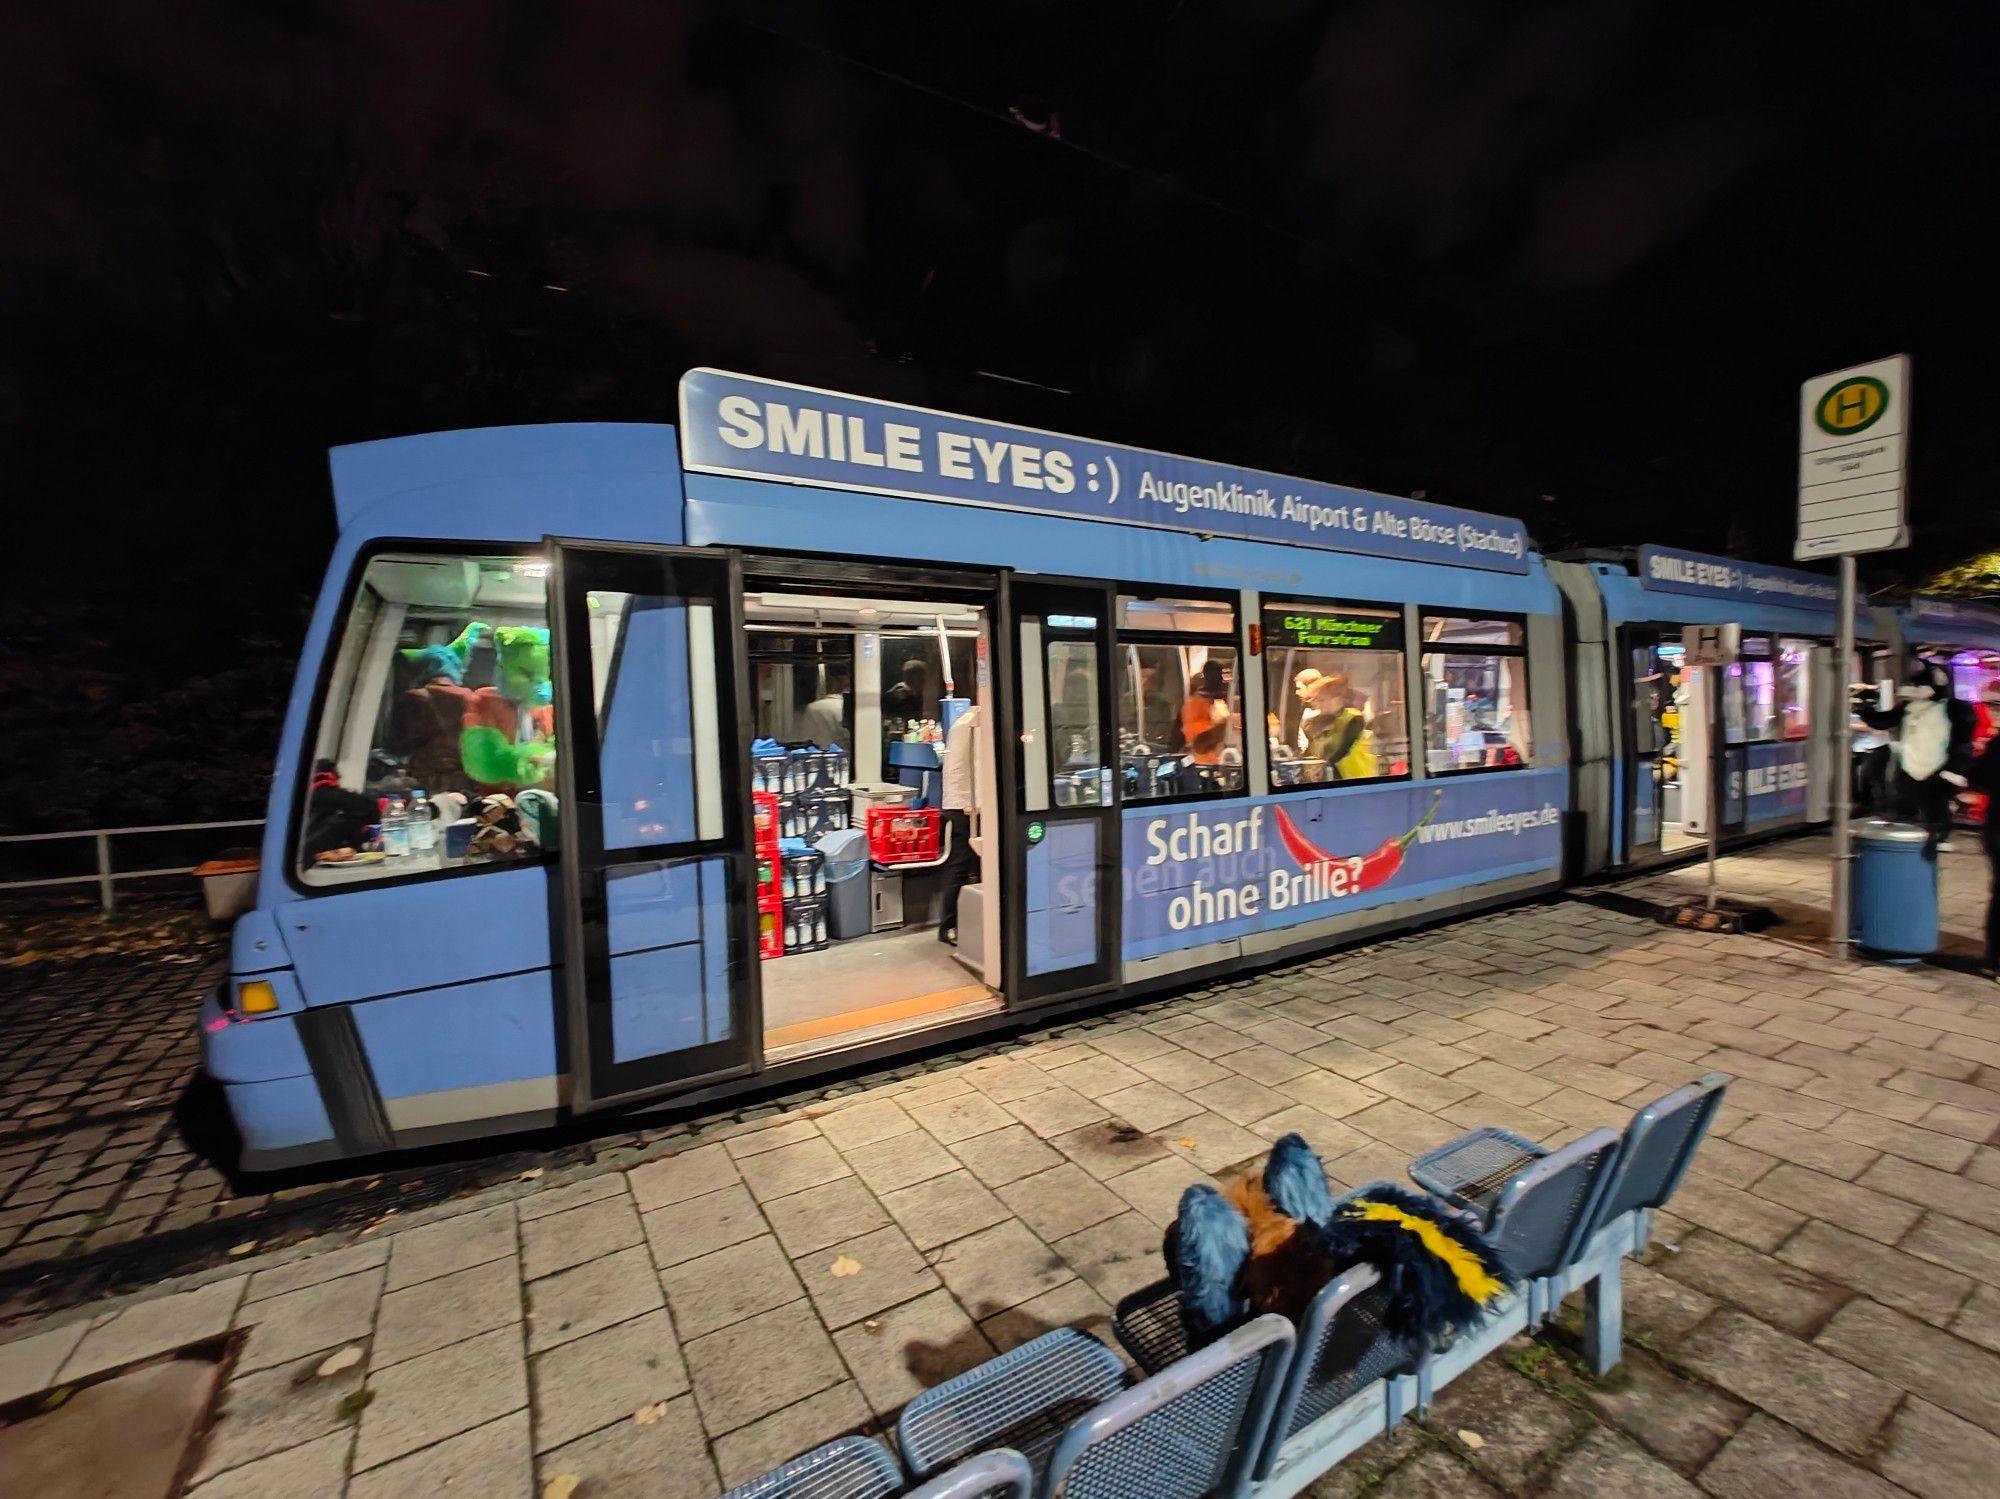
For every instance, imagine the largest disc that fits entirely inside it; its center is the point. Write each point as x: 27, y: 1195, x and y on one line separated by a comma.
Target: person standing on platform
x: 961, y: 798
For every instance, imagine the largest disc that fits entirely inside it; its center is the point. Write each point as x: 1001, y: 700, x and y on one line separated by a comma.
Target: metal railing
x: 106, y: 878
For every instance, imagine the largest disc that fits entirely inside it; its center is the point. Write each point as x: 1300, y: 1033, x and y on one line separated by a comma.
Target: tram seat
x: 850, y: 1468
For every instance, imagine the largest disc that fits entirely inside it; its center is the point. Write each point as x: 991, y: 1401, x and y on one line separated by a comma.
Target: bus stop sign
x: 1854, y: 433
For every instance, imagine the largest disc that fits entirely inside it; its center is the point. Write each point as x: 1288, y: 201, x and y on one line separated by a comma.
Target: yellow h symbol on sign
x: 1852, y: 406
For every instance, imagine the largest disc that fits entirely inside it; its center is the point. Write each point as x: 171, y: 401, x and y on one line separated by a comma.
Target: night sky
x: 1567, y: 263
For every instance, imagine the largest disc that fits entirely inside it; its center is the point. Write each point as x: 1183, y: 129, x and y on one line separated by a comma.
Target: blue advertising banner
x: 765, y: 429
x: 1197, y: 874
x: 1670, y: 571
x: 1772, y: 782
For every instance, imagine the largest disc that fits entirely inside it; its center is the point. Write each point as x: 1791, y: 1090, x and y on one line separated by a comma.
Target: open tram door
x: 1065, y: 889
x: 660, y: 968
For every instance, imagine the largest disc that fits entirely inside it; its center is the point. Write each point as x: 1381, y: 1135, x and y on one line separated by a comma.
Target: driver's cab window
x: 436, y: 740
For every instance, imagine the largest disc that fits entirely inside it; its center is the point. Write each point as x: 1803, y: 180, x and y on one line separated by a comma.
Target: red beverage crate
x: 902, y: 835
x: 764, y: 818
x: 770, y: 934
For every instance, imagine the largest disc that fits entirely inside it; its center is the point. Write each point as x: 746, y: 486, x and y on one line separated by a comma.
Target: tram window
x: 1180, y: 730
x: 1334, y: 685
x: 1475, y: 677
x: 1750, y: 694
x: 1075, y: 743
x: 441, y: 684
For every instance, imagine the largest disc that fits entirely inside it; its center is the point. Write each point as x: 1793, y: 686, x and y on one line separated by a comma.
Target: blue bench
x: 1268, y: 1408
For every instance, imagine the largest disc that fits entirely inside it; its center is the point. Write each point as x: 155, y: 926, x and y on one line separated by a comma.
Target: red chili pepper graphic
x: 1372, y: 869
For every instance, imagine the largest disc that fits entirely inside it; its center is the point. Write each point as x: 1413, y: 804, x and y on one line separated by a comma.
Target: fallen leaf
x: 873, y: 1324
x: 533, y: 1173
x: 561, y: 1486
x: 347, y: 1358
x: 646, y: 1415
x: 1472, y: 1439
x: 1186, y: 1143
x: 845, y: 1266
x: 354, y: 1402
x: 237, y: 1251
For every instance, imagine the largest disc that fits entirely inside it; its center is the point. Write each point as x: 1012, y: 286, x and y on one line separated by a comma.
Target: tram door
x: 1649, y: 763
x: 1062, y: 937
x: 658, y: 886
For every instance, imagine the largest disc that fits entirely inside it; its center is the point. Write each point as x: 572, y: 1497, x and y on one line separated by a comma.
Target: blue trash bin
x: 1895, y: 890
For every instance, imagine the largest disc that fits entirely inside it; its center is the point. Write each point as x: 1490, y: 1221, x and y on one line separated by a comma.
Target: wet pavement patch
x: 127, y: 1435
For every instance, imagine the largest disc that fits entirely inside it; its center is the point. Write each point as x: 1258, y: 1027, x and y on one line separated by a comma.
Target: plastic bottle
x: 819, y: 928
x: 395, y: 827
x: 791, y: 932
x: 423, y: 825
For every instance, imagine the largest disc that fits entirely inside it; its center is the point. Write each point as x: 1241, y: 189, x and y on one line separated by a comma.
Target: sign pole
x: 1843, y: 764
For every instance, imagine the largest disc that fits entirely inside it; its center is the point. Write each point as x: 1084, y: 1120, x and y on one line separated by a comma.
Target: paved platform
x: 1820, y: 1315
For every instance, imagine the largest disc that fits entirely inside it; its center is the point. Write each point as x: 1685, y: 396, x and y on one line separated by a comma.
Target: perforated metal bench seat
x: 1473, y: 1170
x: 1023, y: 1399
x: 851, y: 1468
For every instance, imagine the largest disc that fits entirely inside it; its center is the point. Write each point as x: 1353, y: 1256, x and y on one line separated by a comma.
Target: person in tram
x: 824, y: 719
x: 1205, y: 715
x: 906, y: 699
x: 1338, y: 744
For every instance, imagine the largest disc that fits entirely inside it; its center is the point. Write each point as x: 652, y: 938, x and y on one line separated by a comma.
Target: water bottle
x: 423, y: 826
x: 819, y: 928
x: 791, y: 932
x: 396, y: 828
x: 790, y: 880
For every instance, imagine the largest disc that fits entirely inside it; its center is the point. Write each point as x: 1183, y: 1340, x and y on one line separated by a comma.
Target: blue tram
x: 633, y: 765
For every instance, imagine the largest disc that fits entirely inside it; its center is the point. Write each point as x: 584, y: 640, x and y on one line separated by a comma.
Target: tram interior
x: 877, y: 926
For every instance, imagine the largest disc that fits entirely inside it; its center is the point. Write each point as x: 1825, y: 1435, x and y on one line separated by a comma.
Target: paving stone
x: 1328, y: 1136
x: 1676, y: 1419
x: 1096, y: 1075
x: 145, y: 1328
x: 1767, y: 1459
x: 1055, y: 1111
x: 314, y: 1268
x: 1266, y: 1064
x: 1061, y: 1202
x: 579, y: 1301
x: 1909, y: 1142
x: 752, y: 1368
x: 901, y: 1162
x: 1151, y: 1106
x: 1814, y: 1149
x: 1431, y: 1474
x: 604, y: 1377
x: 1755, y: 1221
x: 1659, y: 1308
x: 274, y: 1410
x: 1071, y: 1304
x: 701, y: 1225
x: 866, y: 1123
x: 1935, y: 1455
x: 442, y: 1394
x: 1207, y: 1039
x: 1133, y: 1046
x: 757, y: 1141
x: 944, y: 1208
x: 28, y: 1365
x: 1117, y: 1256
x: 1156, y: 1190
x: 1001, y: 1267
x: 1419, y: 1089
x: 792, y: 1168
x: 454, y: 1244
x: 305, y: 1472
x: 1888, y: 1275
x: 318, y: 1317
x: 751, y: 1450
x: 1350, y: 1060
x: 1869, y: 1213
x: 561, y: 1198
x: 1180, y: 1070
x: 435, y: 1313
x: 1006, y: 1154
x: 891, y: 1272
x: 1331, y: 1094
x: 1241, y: 1100
x: 1945, y: 1370
x: 729, y: 1285
x: 491, y: 1461
x: 909, y: 1348
x: 1979, y: 1321
x: 560, y: 1240
x: 1956, y: 1246
x: 820, y: 1216
x: 1002, y: 1078
x: 1518, y: 1422
x: 961, y: 1118
x: 1109, y: 1148
x: 1213, y: 1143
x: 123, y: 1436
x: 1782, y: 1294
x: 1606, y: 1463
x: 692, y: 1173
x: 1408, y: 1129
x: 1820, y: 1394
